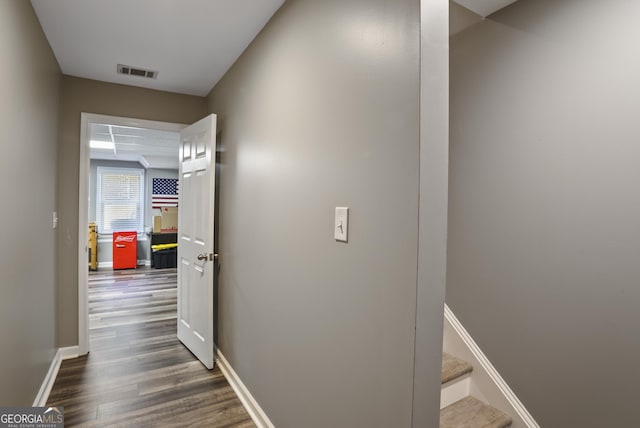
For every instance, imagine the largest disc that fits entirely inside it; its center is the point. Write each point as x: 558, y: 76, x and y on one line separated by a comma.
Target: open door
x: 196, y: 238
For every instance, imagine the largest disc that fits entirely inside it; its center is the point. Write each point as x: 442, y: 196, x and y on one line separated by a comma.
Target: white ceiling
x: 484, y: 8
x: 151, y: 148
x: 191, y: 43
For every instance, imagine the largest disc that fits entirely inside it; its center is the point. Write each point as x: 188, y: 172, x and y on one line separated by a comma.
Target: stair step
x: 473, y: 413
x: 453, y: 368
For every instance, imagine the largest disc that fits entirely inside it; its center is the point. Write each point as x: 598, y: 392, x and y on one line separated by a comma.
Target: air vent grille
x: 136, y: 71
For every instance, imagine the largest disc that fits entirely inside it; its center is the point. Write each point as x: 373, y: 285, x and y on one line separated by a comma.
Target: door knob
x: 211, y: 257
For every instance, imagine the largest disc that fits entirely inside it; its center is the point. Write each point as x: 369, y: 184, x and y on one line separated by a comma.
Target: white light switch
x: 54, y: 220
x: 341, y: 224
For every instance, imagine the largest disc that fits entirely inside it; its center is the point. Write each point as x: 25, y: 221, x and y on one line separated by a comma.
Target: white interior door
x: 195, y: 238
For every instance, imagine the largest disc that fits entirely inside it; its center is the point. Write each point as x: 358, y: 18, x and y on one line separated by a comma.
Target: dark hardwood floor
x: 137, y: 373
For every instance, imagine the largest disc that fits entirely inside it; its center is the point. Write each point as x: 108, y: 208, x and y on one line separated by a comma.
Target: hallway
x: 138, y: 373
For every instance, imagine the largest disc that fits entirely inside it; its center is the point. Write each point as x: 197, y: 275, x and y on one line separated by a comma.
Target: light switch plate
x: 341, y: 226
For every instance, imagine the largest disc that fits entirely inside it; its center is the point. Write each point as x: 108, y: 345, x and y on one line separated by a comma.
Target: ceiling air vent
x: 136, y: 71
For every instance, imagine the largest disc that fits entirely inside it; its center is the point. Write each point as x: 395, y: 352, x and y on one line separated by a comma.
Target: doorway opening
x: 120, y: 161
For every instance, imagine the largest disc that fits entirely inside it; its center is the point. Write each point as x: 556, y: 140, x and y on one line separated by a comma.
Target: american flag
x: 164, y: 192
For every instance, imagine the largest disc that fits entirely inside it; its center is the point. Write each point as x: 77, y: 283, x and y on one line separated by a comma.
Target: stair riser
x: 486, y: 384
x: 455, y: 390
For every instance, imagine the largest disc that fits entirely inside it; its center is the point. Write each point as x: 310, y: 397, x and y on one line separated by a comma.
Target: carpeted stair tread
x: 453, y: 367
x: 472, y: 413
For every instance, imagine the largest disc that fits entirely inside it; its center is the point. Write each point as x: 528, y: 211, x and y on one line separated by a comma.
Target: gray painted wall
x: 322, y: 110
x: 461, y: 18
x: 90, y: 96
x: 544, y: 210
x: 30, y: 88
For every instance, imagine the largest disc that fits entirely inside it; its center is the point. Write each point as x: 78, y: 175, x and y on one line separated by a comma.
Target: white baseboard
x: 250, y: 404
x: 486, y: 382
x: 109, y: 264
x: 50, y: 377
x: 69, y: 352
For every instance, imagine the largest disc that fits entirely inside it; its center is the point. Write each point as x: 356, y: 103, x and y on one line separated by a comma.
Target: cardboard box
x: 169, y: 221
x: 157, y: 223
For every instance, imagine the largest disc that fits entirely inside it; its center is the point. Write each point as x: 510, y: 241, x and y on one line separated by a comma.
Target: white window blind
x: 120, y: 199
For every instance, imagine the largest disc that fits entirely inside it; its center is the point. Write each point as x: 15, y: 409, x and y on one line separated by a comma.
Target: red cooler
x: 125, y: 246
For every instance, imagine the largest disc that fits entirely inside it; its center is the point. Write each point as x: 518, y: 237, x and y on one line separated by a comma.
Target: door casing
x: 86, y: 119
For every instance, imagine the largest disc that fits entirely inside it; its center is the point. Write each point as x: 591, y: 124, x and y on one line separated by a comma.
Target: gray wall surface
x: 30, y: 88
x: 83, y: 95
x: 544, y: 204
x: 461, y: 18
x: 322, y: 110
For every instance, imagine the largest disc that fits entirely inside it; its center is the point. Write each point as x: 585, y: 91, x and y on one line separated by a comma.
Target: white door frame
x: 83, y: 214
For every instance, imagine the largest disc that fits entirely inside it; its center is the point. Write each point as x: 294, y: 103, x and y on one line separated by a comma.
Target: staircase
x: 473, y: 393
x: 457, y: 408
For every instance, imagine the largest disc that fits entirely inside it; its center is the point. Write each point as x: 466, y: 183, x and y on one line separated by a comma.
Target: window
x: 120, y: 199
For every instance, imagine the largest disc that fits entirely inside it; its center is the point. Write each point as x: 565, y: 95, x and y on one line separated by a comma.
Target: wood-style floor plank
x: 138, y: 374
